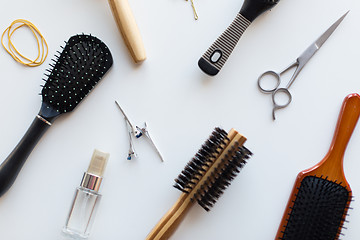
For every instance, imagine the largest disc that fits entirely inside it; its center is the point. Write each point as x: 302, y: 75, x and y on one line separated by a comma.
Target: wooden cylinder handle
x: 128, y: 28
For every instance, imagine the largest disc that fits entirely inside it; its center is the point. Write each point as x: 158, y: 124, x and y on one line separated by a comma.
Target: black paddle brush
x: 75, y: 72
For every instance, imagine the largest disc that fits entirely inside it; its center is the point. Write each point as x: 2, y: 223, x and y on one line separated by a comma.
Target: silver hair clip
x: 137, y: 132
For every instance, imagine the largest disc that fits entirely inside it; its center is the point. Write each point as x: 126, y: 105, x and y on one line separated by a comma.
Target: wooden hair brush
x: 75, y: 72
x: 204, y: 178
x: 321, y: 195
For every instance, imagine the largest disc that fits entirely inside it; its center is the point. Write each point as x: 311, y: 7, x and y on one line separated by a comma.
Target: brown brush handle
x: 348, y: 117
x: 332, y: 163
x: 127, y: 25
x: 171, y: 220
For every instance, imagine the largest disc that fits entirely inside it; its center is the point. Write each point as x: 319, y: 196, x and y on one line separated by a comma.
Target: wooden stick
x: 128, y: 28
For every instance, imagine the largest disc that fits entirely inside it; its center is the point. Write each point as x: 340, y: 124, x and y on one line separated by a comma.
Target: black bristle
x: 201, y: 158
x: 227, y: 175
x: 221, y: 178
x: 318, y: 211
x: 76, y: 72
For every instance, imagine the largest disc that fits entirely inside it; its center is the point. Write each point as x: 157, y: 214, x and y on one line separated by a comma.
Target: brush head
x: 75, y: 72
x: 212, y: 169
x: 319, y: 210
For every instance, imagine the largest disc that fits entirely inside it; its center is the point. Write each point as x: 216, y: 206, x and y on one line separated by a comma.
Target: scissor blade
x: 320, y: 41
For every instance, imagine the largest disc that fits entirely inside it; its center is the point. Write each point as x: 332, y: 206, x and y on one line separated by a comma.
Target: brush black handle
x: 215, y: 57
x: 12, y: 165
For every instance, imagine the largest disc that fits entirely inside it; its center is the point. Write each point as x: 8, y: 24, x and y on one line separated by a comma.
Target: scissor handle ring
x: 286, y: 92
x: 275, y: 75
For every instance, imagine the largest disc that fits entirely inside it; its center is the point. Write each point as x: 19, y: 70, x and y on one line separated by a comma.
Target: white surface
x: 182, y: 106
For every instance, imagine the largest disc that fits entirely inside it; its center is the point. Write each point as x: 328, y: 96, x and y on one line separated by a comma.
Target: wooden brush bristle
x: 213, y: 167
x: 75, y: 72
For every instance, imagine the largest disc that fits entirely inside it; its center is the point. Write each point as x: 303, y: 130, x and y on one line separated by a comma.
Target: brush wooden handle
x: 128, y: 28
x: 12, y: 165
x: 172, y: 219
x: 332, y: 163
x: 348, y: 117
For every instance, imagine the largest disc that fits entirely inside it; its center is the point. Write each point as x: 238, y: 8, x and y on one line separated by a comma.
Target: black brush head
x: 318, y: 211
x: 75, y: 72
x: 203, y: 159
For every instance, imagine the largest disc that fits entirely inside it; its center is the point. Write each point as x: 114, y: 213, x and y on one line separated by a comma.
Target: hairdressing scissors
x: 298, y: 64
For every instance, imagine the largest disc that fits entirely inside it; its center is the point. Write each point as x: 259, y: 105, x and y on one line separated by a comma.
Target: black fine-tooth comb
x: 75, y: 72
x: 215, y: 57
x: 205, y: 178
x: 321, y: 195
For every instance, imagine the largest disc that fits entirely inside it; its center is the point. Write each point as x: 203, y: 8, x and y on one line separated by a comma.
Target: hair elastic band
x: 16, y: 55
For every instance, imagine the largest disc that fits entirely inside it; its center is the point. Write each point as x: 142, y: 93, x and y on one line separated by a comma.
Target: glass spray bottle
x: 86, y: 199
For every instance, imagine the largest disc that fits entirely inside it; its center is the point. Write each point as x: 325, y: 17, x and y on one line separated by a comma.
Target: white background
x: 182, y: 106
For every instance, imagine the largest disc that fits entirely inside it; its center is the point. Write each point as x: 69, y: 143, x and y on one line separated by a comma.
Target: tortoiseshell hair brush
x: 75, y: 72
x: 205, y: 178
x: 321, y: 196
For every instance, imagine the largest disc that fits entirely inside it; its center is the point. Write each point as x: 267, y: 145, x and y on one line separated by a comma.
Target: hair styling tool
x: 321, y: 196
x: 137, y: 132
x: 298, y: 64
x: 75, y: 72
x: 196, y: 17
x: 127, y: 25
x: 15, y: 54
x: 216, y: 56
x: 205, y: 178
